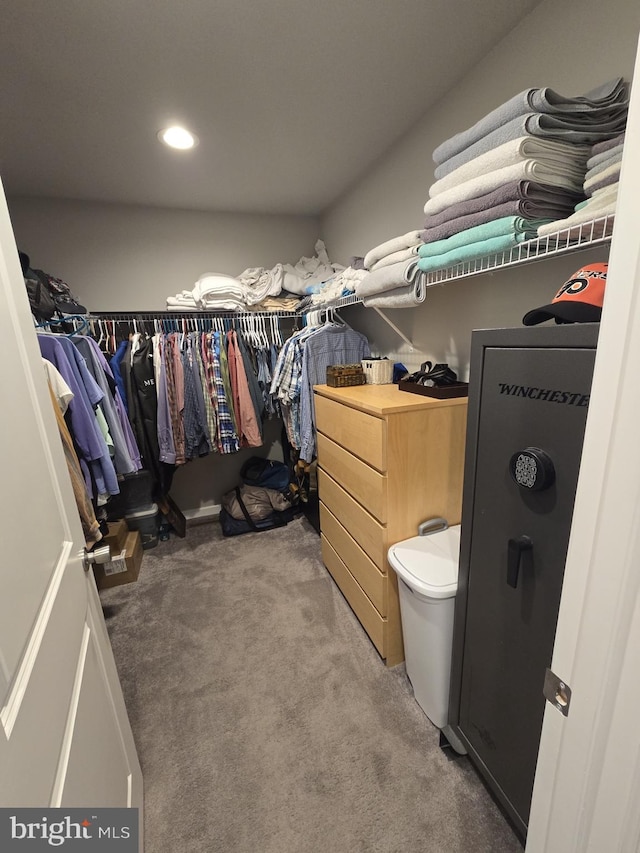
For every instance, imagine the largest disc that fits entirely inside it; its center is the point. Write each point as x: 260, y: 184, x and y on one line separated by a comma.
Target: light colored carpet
x: 265, y: 720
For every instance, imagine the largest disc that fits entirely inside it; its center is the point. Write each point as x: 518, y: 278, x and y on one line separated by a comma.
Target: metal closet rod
x: 124, y: 316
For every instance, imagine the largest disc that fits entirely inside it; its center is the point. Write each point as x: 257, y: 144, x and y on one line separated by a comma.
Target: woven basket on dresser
x: 378, y: 371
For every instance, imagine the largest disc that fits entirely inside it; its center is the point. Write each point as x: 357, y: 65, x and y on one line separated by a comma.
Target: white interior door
x: 587, y: 786
x: 65, y: 739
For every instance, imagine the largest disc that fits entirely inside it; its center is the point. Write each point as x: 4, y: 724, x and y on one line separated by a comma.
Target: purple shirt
x: 86, y: 394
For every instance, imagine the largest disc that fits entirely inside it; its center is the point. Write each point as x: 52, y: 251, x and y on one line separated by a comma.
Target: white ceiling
x: 293, y: 100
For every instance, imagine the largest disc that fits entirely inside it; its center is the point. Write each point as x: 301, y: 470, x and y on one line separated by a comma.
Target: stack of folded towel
x: 601, y: 188
x: 260, y: 283
x: 212, y: 292
x: 391, y: 278
x: 182, y: 301
x: 517, y: 170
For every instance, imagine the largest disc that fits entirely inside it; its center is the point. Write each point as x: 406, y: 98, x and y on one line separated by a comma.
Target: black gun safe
x: 528, y: 398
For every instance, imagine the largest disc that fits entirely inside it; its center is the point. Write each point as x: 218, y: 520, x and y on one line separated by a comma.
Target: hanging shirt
x: 115, y: 361
x: 206, y: 343
x: 252, y: 379
x: 329, y: 345
x: 226, y: 381
x: 195, y: 428
x: 165, y: 432
x: 90, y: 526
x: 100, y: 475
x: 249, y: 430
x: 227, y: 437
x: 173, y: 395
x: 59, y: 388
x: 97, y: 365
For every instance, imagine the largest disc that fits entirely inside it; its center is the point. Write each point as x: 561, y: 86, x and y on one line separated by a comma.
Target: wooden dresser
x: 387, y: 461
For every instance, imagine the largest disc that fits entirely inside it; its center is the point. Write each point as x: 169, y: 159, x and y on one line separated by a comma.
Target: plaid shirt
x: 195, y: 426
x: 208, y: 378
x: 226, y: 435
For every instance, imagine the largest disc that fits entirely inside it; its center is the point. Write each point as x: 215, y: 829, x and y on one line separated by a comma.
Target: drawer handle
x: 432, y: 525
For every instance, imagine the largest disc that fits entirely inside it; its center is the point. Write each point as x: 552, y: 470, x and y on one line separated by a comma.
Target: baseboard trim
x: 202, y: 514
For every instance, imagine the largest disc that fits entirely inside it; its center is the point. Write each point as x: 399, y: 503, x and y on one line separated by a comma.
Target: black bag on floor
x: 235, y: 527
x: 268, y: 473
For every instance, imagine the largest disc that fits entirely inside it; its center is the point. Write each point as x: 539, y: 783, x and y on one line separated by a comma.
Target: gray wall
x: 119, y: 257
x: 569, y: 45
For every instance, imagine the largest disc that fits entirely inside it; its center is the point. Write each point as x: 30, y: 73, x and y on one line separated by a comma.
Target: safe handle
x: 515, y: 549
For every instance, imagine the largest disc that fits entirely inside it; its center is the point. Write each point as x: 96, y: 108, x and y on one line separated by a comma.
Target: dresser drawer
x: 358, y: 432
x: 374, y: 624
x: 368, y: 575
x: 368, y: 533
x: 361, y: 481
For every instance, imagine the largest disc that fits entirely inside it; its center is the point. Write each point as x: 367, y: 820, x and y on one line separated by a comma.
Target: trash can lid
x: 429, y: 564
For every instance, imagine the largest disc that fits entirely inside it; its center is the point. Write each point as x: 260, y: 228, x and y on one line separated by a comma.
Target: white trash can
x: 427, y: 569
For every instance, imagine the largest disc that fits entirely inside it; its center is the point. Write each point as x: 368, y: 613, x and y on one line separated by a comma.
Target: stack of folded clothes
x: 601, y: 189
x: 517, y: 170
x: 391, y: 278
x: 212, y: 292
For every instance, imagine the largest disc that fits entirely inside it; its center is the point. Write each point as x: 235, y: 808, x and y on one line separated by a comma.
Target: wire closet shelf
x: 575, y: 239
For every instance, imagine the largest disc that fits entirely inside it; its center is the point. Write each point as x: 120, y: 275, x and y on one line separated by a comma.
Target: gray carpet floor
x: 266, y: 722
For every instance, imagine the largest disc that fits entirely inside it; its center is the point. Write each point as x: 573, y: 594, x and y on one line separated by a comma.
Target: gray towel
x: 603, y: 166
x: 387, y: 278
x: 596, y: 159
x: 607, y: 144
x: 538, y: 125
x: 529, y: 191
x: 518, y: 207
x: 401, y: 297
x: 545, y: 100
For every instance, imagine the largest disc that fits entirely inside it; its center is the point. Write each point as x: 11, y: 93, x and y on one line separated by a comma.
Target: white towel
x: 531, y: 170
x: 597, y: 207
x: 182, y: 304
x: 396, y: 244
x: 401, y: 297
x: 614, y: 169
x: 395, y: 258
x: 568, y: 159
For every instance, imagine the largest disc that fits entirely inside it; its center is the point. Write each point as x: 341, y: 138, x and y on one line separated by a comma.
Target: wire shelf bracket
x: 398, y: 331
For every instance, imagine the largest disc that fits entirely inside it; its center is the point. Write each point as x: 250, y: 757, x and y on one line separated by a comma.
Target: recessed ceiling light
x: 178, y: 137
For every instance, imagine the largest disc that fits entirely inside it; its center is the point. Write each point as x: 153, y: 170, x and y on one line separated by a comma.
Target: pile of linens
x: 517, y: 172
x: 392, y: 278
x: 257, y: 288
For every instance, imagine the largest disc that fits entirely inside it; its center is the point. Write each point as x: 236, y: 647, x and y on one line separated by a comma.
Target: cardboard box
x: 117, y: 536
x: 123, y: 567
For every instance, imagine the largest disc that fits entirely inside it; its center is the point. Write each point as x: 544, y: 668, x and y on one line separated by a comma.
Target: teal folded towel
x: 474, y: 251
x: 506, y: 225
